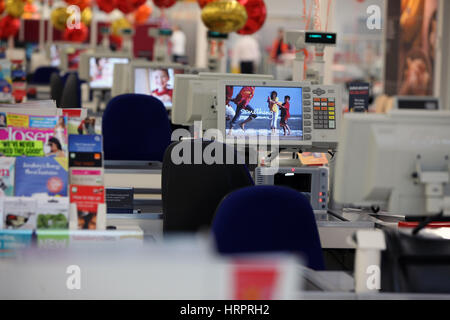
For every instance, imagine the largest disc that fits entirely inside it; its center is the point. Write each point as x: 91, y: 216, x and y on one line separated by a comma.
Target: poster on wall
x: 411, y: 39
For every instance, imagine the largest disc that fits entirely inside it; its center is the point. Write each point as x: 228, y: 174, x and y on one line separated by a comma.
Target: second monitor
x: 156, y: 80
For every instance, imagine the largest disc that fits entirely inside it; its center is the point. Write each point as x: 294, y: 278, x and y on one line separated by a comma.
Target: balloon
x: 82, y: 4
x: 224, y: 16
x: 142, y: 14
x: 256, y: 12
x: 30, y: 10
x: 9, y: 27
x: 164, y: 3
x: 15, y: 8
x: 2, y: 6
x: 128, y: 6
x: 203, y: 3
x: 77, y: 35
x: 86, y: 16
x: 106, y: 5
x: 118, y: 25
x: 59, y: 18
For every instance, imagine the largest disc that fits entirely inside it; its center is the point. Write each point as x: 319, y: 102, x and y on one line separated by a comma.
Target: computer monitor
x: 101, y: 70
x: 66, y: 56
x: 155, y: 79
x: 202, y: 92
x: 416, y: 103
x: 299, y: 114
x: 180, y: 93
x: 385, y: 160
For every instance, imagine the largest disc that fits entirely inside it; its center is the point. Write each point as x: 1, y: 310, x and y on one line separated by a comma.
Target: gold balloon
x: 15, y: 8
x: 59, y: 18
x: 224, y: 16
x: 118, y: 25
x: 86, y: 16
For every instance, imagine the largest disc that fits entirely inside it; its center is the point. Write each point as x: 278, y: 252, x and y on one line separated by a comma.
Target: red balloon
x: 164, y: 3
x: 9, y: 26
x: 82, y: 4
x: 256, y: 12
x: 106, y: 5
x: 129, y: 6
x: 203, y: 3
x: 2, y: 6
x: 77, y: 35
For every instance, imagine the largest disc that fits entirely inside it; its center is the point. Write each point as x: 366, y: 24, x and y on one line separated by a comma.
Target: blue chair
x: 267, y: 219
x: 135, y: 127
x: 56, y: 88
x: 42, y: 75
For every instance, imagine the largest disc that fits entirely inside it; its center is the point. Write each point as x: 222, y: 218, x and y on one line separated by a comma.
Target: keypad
x: 324, y: 113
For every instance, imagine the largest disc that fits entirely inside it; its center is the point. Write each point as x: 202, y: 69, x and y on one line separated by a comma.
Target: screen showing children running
x: 264, y: 111
x: 156, y: 82
x: 101, y: 71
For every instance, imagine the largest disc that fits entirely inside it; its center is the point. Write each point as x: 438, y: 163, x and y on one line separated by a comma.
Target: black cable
x: 426, y: 222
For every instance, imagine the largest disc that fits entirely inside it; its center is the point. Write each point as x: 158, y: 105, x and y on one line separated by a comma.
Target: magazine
x: 85, y: 143
x: 7, y: 176
x: 82, y: 126
x: 51, y: 130
x: 86, y: 176
x: 87, y: 199
x: 41, y: 175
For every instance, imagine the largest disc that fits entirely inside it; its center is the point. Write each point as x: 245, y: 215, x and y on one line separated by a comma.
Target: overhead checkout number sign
x: 319, y: 37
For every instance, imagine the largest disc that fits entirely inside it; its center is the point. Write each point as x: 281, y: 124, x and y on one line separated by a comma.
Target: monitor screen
x: 297, y: 181
x: 156, y: 82
x: 264, y: 111
x: 73, y: 58
x: 418, y: 104
x: 101, y: 70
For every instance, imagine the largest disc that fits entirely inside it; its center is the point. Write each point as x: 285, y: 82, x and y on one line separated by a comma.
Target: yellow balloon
x: 15, y: 8
x: 224, y: 16
x: 118, y: 25
x: 59, y: 18
x: 86, y: 16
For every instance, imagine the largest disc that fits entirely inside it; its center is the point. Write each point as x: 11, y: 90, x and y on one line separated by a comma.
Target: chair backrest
x: 267, y: 219
x: 71, y: 96
x: 135, y: 127
x: 192, y: 190
x: 42, y: 75
x: 415, y: 264
x: 56, y: 88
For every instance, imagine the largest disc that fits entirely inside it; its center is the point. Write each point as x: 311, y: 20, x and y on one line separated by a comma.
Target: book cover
x: 52, y: 213
x: 86, y: 176
x: 85, y: 143
x: 7, y: 176
x: 87, y: 199
x: 19, y: 213
x: 85, y: 159
x: 41, y: 175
